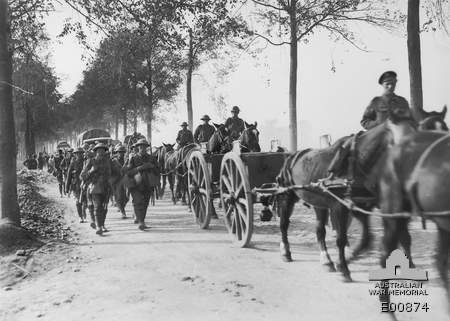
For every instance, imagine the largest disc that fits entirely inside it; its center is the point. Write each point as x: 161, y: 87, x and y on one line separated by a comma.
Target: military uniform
x: 97, y: 174
x: 65, y: 166
x: 184, y: 137
x: 73, y: 183
x: 119, y: 190
x: 378, y: 110
x: 203, y: 133
x: 59, y: 174
x: 235, y: 126
x: 141, y: 168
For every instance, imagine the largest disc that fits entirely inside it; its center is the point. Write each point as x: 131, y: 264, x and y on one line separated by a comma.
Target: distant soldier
x: 142, y: 168
x: 185, y: 136
x: 66, y: 162
x: 73, y: 181
x: 97, y: 174
x: 234, y: 124
x: 119, y: 190
x: 58, y: 171
x: 204, y: 131
x: 41, y: 161
x: 31, y: 162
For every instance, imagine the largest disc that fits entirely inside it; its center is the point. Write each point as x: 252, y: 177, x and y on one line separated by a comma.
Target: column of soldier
x: 96, y: 173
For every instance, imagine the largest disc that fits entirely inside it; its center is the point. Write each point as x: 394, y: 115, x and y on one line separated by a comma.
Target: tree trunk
x: 135, y: 121
x: 9, y: 205
x: 116, y: 127
x: 189, y: 81
x: 414, y: 59
x: 30, y: 146
x: 125, y: 121
x: 293, y: 79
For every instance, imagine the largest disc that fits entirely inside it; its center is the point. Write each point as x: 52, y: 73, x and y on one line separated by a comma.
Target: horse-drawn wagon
x: 233, y: 177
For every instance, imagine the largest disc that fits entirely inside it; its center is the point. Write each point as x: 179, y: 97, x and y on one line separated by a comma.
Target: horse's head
x: 218, y: 139
x: 168, y: 147
x: 249, y: 139
x: 434, y: 120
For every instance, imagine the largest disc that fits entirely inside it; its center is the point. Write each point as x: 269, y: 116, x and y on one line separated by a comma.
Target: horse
x: 167, y: 159
x: 414, y: 166
x: 433, y: 120
x: 310, y: 166
x: 217, y: 143
x: 182, y: 156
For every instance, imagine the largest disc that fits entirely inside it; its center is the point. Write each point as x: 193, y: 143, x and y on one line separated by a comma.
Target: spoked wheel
x: 199, y: 183
x: 236, y: 199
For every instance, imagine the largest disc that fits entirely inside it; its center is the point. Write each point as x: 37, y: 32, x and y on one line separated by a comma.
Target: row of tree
x: 148, y: 47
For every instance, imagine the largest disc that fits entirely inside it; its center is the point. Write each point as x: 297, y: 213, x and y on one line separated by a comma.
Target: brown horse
x: 416, y: 178
x: 220, y: 143
x: 217, y: 144
x: 310, y: 166
x: 167, y: 157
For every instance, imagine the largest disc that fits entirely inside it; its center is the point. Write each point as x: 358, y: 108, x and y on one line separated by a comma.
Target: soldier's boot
x: 104, y: 212
x: 92, y: 215
x: 141, y: 219
x: 84, y: 211
x: 80, y: 212
x: 98, y: 222
x: 122, y: 210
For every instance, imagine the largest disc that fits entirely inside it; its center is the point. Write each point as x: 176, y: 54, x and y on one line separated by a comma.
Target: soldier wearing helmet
x: 234, y: 124
x: 184, y: 136
x: 119, y: 190
x: 142, y: 170
x: 204, y: 131
x: 73, y: 182
x: 97, y: 174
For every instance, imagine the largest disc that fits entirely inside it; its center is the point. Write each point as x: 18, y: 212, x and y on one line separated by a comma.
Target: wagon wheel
x: 236, y: 199
x: 199, y: 183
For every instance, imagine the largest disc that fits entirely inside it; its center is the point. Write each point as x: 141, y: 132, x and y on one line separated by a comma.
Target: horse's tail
x: 285, y: 178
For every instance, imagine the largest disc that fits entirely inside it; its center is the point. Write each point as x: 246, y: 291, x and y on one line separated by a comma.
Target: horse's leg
x: 321, y: 220
x: 442, y: 259
x: 366, y: 236
x: 187, y: 194
x: 405, y: 239
x: 171, y: 179
x: 390, y: 243
x: 285, y: 207
x: 322, y: 215
x: 342, y: 216
x: 163, y: 187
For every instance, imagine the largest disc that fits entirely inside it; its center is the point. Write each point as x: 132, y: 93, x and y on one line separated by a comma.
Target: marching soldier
x: 234, y: 124
x: 58, y: 171
x: 73, y: 182
x: 143, y: 169
x: 120, y: 193
x: 97, y: 174
x: 185, y: 136
x: 204, y: 131
x: 65, y: 164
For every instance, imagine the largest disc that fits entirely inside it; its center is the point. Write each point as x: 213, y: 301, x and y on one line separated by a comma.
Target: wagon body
x: 232, y: 178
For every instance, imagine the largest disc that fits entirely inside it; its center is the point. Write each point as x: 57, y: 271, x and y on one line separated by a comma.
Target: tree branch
x: 270, y: 41
x: 267, y: 5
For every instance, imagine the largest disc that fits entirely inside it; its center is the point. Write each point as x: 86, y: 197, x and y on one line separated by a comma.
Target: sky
x: 328, y: 102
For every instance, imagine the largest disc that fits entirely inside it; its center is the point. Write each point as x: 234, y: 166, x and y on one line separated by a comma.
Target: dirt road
x: 174, y: 271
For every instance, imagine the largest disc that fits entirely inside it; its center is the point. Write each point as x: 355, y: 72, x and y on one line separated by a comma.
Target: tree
x: 436, y: 18
x: 414, y: 57
x: 205, y: 27
x: 297, y: 20
x: 9, y: 205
